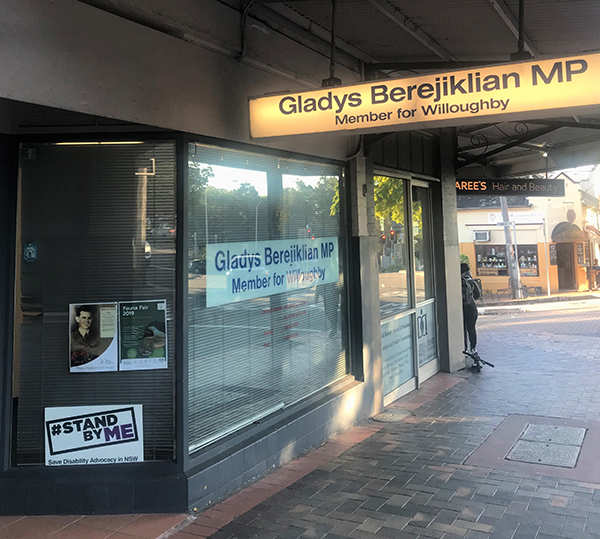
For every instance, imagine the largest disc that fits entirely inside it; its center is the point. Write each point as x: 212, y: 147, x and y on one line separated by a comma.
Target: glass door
x: 396, y: 294
x: 425, y: 316
x: 409, y: 346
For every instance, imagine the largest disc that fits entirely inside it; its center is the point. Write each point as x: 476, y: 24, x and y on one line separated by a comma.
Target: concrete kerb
x: 500, y: 310
x: 520, y: 305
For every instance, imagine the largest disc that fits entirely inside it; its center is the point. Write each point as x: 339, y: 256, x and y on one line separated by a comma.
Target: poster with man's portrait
x: 93, y: 337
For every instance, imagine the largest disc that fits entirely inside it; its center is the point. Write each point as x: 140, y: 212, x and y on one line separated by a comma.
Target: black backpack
x: 470, y: 290
x: 467, y: 291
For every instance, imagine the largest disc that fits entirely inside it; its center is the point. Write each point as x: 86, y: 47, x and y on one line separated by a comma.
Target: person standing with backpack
x: 470, y: 293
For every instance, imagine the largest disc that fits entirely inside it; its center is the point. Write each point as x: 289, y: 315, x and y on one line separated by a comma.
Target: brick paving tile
x: 474, y: 534
x: 371, y: 525
x: 446, y: 528
x: 424, y: 532
x: 199, y: 531
x: 471, y: 513
x: 395, y: 534
x: 317, y: 531
x: 526, y: 531
x: 517, y: 508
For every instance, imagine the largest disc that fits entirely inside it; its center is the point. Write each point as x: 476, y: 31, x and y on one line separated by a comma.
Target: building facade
x: 183, y: 309
x: 556, y: 241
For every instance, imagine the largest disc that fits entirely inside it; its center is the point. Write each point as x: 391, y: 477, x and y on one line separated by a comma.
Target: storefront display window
x: 491, y: 260
x: 94, y: 309
x: 265, y: 287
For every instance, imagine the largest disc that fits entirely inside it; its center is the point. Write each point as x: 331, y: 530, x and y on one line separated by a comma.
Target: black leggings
x: 469, y: 321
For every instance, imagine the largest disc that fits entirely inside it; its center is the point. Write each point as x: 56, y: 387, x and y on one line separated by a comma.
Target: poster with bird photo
x: 143, y: 335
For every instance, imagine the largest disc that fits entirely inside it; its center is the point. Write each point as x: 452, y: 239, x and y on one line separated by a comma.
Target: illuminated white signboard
x: 510, y: 91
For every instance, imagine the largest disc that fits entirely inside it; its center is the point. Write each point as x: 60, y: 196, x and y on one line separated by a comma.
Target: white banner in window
x: 247, y: 270
x: 520, y: 218
x: 85, y: 435
x: 426, y: 333
x: 397, y: 353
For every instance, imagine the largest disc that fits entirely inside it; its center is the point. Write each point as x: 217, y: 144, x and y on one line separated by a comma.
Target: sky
x: 231, y: 178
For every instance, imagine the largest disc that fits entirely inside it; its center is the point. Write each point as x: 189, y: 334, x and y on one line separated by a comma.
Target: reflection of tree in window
x: 389, y: 211
x: 312, y: 209
x: 220, y: 215
x: 199, y: 176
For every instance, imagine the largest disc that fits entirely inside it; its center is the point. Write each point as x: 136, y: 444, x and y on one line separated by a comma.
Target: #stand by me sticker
x: 143, y: 335
x: 85, y: 435
x: 93, y: 337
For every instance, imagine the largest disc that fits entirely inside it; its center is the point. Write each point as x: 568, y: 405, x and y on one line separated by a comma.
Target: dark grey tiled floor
x: 408, y: 480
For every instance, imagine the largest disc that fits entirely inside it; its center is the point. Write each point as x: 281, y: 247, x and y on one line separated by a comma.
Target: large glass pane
x: 422, y: 243
x: 390, y: 210
x: 265, y: 287
x: 98, y: 221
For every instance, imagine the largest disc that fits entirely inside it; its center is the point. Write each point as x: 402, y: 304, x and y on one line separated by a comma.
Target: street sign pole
x: 546, y: 254
x: 516, y: 251
x: 511, y: 262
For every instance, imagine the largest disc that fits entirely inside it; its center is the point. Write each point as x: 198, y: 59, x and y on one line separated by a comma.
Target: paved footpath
x: 414, y: 478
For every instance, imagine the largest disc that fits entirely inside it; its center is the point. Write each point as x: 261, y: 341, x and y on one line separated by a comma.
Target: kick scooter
x: 477, y: 361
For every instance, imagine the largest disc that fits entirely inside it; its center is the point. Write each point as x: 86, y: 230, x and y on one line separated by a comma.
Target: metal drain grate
x: 550, y: 445
x: 553, y: 434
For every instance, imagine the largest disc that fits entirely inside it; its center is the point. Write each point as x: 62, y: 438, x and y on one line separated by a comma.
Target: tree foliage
x: 389, y: 203
x: 241, y: 214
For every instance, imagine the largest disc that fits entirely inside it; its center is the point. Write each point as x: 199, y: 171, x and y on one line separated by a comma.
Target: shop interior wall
x: 73, y: 56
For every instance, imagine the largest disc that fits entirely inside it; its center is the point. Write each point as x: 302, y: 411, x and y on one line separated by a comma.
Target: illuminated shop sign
x: 248, y: 270
x: 511, y: 91
x: 512, y: 187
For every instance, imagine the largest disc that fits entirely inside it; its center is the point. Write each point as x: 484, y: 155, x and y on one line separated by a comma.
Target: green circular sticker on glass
x: 131, y: 353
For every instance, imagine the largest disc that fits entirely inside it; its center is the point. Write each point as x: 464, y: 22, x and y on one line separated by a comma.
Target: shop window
x: 96, y: 232
x: 266, y: 287
x: 491, y: 260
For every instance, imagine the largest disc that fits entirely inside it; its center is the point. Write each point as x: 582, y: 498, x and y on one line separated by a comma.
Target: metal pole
x: 332, y: 50
x: 256, y: 221
x: 521, y: 43
x: 206, y: 215
x: 518, y: 272
x: 513, y: 279
x: 546, y: 254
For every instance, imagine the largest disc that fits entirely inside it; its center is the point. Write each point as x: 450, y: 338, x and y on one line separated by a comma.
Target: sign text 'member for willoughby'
x: 517, y: 90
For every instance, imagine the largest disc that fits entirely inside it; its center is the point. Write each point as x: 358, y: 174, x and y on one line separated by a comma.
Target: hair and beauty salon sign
x: 508, y: 91
x: 530, y: 187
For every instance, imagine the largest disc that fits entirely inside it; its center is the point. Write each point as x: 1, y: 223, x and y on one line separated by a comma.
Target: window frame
x: 197, y: 460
